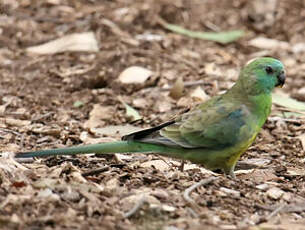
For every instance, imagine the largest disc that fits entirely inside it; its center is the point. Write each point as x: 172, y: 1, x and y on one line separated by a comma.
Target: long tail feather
x: 105, y: 148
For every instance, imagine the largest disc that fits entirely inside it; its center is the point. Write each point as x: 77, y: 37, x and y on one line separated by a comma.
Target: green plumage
x: 213, y: 134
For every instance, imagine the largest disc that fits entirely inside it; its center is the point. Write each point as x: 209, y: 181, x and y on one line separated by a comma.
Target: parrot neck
x: 259, y: 102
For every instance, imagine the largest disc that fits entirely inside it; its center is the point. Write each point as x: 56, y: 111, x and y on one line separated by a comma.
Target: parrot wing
x: 214, y: 124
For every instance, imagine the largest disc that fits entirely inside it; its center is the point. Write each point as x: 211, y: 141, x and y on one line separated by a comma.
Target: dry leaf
x: 97, y: 116
x: 230, y: 192
x: 267, y: 43
x: 262, y: 187
x: 129, y: 202
x: 275, y: 193
x: 257, y: 175
x: 298, y: 48
x: 287, y: 102
x: 162, y: 106
x: 158, y: 164
x: 46, y: 130
x: 212, y: 69
x: 177, y: 90
x: 85, y: 42
x: 200, y: 94
x: 135, y: 74
x: 140, y: 103
x: 17, y: 122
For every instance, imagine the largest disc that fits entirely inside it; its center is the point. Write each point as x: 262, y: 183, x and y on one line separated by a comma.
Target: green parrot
x: 213, y: 134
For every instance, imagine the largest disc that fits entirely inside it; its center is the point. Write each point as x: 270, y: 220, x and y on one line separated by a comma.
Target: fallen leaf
x: 140, y: 103
x: 275, y: 193
x: 221, y: 37
x: 46, y: 130
x: 177, y: 90
x: 230, y: 192
x: 131, y: 112
x: 267, y: 43
x: 162, y: 106
x: 157, y: 164
x: 135, y: 74
x: 78, y: 104
x: 212, y: 69
x: 252, y: 163
x: 85, y: 42
x: 257, y: 175
x: 262, y: 187
x: 200, y: 94
x: 16, y: 122
x: 298, y: 48
x: 168, y: 208
x: 287, y: 102
x: 47, y: 193
x: 129, y: 202
x: 98, y: 115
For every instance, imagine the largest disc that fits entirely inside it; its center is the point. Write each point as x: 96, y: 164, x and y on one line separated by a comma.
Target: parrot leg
x: 229, y: 170
x: 232, y: 174
x: 181, y: 167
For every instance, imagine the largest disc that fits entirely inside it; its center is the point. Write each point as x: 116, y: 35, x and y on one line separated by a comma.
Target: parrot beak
x: 281, y: 79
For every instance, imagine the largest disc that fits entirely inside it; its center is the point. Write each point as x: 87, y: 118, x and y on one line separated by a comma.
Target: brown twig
x: 276, y: 211
x: 95, y: 171
x: 187, y: 192
x: 290, y: 110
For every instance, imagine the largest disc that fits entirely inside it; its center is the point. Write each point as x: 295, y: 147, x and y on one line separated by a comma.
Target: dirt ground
x: 68, y: 98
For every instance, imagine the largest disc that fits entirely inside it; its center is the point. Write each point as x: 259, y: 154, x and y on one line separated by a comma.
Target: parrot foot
x: 230, y: 172
x: 232, y: 175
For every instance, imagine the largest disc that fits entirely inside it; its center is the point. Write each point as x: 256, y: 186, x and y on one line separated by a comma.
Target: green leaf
x: 78, y: 104
x: 288, y: 102
x: 221, y: 37
x: 131, y: 112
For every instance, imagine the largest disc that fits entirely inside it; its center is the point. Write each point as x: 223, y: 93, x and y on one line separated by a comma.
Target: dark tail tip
x: 24, y: 155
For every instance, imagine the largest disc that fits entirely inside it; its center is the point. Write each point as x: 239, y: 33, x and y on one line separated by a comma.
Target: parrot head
x: 262, y: 75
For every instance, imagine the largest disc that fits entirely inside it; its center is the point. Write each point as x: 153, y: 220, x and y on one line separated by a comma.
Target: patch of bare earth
x: 70, y: 98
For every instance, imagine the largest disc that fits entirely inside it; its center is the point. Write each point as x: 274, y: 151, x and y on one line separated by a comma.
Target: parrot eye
x: 269, y: 70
